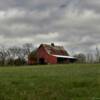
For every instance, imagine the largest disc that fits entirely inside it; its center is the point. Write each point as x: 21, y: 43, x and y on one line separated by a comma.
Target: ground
x: 50, y: 82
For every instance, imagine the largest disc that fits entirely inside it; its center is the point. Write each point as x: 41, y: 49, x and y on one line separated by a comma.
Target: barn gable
x: 55, y: 50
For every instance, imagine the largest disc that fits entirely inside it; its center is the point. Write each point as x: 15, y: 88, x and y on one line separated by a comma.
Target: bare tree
x: 15, y: 55
x: 28, y: 47
x: 89, y: 58
x: 3, y: 55
x: 81, y: 58
x: 97, y: 55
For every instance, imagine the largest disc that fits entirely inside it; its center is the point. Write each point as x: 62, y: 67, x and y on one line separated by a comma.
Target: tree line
x: 15, y: 55
x: 88, y: 57
x: 18, y: 55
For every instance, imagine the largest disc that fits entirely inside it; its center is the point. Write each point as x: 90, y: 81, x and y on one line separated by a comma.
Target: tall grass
x: 50, y: 82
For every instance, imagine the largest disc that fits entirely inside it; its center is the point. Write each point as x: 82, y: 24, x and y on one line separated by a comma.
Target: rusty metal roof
x: 62, y: 56
x: 55, y: 50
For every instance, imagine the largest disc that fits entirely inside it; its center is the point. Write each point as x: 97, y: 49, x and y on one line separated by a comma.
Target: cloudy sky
x: 75, y: 24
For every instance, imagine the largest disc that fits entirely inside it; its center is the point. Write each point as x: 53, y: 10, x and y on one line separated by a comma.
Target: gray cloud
x: 72, y: 23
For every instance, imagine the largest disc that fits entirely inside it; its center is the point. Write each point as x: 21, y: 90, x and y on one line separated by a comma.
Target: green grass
x: 50, y: 82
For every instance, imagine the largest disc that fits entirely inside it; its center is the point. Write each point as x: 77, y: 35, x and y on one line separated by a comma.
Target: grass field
x: 50, y: 82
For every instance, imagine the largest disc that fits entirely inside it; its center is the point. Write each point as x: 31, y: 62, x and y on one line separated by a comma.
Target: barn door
x: 41, y: 61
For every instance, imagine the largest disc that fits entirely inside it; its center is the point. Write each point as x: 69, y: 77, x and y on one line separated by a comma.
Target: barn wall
x: 41, y: 53
x: 31, y: 60
x: 52, y: 59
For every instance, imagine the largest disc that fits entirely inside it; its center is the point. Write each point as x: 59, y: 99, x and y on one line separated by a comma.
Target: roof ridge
x: 56, y: 50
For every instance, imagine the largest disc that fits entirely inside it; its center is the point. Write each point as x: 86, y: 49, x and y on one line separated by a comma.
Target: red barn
x: 51, y: 54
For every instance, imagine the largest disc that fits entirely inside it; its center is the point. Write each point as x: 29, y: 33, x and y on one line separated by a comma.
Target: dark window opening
x: 42, y: 61
x: 73, y: 60
x: 62, y: 60
x: 65, y: 60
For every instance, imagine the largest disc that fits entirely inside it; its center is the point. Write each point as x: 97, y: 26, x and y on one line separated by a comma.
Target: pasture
x: 50, y: 82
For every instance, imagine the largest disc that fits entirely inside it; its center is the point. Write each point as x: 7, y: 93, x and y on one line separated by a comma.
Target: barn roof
x: 55, y: 50
x: 61, y: 56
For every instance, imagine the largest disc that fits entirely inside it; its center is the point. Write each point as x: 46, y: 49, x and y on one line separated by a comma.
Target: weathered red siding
x: 31, y: 60
x: 41, y: 53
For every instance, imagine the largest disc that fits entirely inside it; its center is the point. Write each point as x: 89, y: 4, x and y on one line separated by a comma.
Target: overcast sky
x: 75, y: 24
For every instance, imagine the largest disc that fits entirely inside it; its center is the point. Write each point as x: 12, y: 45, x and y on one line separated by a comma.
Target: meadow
x: 50, y: 82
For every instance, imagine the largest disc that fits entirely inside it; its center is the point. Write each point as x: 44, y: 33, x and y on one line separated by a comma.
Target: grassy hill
x: 50, y: 82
